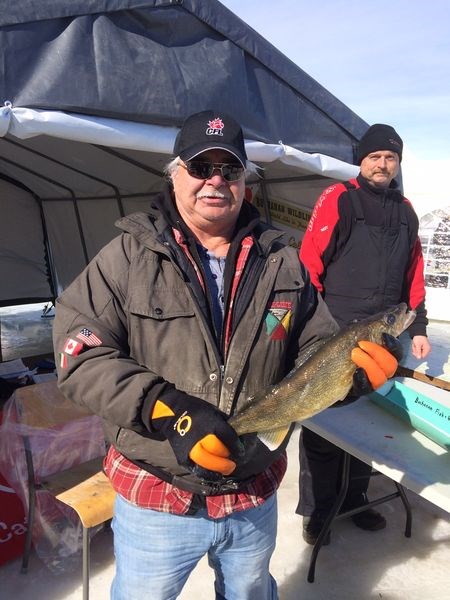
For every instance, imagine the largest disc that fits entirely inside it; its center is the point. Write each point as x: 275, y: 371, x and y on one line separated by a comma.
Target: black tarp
x: 132, y: 71
x: 156, y: 62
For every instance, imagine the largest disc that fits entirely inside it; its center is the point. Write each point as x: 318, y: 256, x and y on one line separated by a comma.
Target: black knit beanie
x: 379, y: 137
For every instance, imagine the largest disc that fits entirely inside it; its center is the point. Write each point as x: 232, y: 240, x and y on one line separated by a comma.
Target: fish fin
x: 274, y: 438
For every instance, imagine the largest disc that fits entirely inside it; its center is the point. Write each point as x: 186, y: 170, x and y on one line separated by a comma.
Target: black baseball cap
x: 210, y: 130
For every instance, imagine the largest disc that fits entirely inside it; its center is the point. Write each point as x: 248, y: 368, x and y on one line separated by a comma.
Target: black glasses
x: 204, y: 170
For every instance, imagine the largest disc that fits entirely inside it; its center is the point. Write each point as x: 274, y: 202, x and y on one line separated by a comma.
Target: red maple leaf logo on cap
x: 216, y: 123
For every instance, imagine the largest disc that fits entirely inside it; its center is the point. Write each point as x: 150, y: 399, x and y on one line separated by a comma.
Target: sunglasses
x: 204, y: 170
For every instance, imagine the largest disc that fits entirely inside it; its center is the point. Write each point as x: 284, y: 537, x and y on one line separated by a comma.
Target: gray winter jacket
x: 149, y: 316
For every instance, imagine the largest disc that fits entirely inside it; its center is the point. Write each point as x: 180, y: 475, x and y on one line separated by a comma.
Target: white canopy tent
x: 93, y: 95
x: 78, y: 174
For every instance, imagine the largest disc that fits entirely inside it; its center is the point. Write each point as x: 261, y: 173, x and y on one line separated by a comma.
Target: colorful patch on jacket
x: 72, y: 347
x: 88, y: 337
x: 62, y: 360
x: 278, y: 319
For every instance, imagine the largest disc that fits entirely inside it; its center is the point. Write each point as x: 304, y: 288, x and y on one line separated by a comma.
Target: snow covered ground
x: 357, y: 565
x: 24, y: 331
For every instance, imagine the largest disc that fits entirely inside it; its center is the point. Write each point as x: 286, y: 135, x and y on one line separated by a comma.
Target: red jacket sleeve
x: 414, y: 277
x: 319, y: 232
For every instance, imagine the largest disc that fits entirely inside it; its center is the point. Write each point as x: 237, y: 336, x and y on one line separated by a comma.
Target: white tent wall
x: 23, y: 271
x: 85, y: 185
x: 77, y: 229
x: 73, y: 242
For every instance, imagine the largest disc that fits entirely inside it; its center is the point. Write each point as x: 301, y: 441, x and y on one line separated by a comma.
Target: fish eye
x: 390, y: 319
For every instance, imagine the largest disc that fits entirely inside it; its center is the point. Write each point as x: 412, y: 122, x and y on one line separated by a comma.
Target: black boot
x: 369, y: 520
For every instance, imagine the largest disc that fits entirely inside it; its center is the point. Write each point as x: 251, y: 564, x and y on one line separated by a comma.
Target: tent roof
x: 157, y: 62
x: 94, y: 93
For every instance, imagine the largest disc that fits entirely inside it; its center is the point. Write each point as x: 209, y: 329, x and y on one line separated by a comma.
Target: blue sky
x: 389, y: 61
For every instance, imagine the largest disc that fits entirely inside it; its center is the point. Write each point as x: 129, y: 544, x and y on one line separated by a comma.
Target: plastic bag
x: 59, y: 435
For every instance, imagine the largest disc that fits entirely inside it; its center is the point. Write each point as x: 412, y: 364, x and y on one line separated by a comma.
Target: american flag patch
x: 88, y: 337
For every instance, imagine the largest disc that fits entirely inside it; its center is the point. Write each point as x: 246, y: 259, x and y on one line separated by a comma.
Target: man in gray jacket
x: 167, y: 332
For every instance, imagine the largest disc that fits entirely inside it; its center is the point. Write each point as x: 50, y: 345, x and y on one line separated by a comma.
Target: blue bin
x: 423, y: 413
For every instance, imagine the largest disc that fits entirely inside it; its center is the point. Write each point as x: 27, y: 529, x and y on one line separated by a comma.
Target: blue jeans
x: 156, y: 552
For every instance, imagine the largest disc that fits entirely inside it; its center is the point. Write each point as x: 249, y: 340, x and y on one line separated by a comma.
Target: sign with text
x: 292, y: 218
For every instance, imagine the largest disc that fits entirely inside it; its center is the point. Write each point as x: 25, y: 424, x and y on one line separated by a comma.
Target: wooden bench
x: 87, y: 490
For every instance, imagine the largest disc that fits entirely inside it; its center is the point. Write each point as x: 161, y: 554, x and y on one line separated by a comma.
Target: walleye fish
x: 325, y: 377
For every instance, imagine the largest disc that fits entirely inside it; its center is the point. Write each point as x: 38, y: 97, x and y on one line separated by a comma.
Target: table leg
x: 406, y: 504
x: 334, y: 511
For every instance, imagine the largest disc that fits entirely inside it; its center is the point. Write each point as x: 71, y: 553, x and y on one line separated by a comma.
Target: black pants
x: 320, y: 476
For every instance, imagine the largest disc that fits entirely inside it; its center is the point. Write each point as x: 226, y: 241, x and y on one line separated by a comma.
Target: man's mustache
x: 211, y: 195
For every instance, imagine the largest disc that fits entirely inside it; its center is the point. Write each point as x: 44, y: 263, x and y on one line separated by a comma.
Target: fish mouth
x: 409, y: 319
x: 404, y: 317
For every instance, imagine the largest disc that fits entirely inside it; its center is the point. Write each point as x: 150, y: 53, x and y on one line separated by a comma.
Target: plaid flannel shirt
x: 147, y: 491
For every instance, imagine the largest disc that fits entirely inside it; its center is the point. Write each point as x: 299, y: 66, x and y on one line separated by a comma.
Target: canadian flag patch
x: 72, y: 347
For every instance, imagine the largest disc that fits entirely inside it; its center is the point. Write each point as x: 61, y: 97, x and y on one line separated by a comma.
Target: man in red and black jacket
x: 363, y: 253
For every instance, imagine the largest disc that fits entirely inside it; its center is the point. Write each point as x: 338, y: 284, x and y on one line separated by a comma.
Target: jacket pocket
x: 160, y: 304
x: 289, y: 280
x: 165, y: 335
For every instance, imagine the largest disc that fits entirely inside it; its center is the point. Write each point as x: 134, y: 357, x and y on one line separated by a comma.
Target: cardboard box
x: 429, y: 415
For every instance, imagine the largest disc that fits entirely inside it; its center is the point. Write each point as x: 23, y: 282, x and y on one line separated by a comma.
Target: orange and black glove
x: 197, y: 431
x: 376, y: 364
